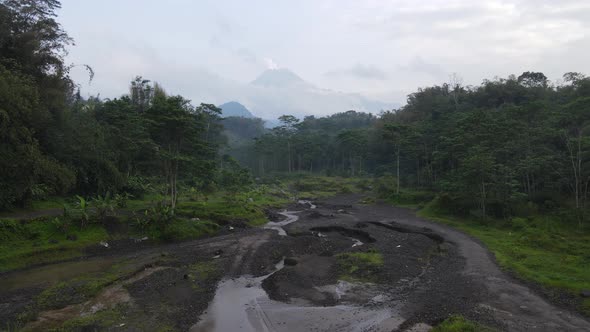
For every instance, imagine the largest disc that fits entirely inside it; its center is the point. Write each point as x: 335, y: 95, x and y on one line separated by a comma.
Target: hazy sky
x: 206, y: 50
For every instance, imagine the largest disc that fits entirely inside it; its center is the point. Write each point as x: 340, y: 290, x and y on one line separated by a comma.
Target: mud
x: 237, y: 281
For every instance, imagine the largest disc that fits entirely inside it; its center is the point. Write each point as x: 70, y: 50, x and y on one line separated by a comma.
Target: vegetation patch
x: 315, y: 186
x: 460, y: 324
x: 24, y: 243
x: 360, y: 266
x: 98, y: 321
x: 203, y: 272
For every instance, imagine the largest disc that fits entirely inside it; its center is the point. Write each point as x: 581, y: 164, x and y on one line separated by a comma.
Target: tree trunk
x: 289, y: 155
x: 397, y: 172
x: 483, y: 200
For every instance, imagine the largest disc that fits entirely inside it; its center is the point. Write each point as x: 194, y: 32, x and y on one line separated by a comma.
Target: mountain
x: 279, y: 78
x: 233, y: 108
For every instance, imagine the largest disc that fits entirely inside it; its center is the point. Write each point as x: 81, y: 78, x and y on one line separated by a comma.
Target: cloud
x: 270, y: 64
x: 372, y: 46
x: 361, y: 71
x: 419, y: 65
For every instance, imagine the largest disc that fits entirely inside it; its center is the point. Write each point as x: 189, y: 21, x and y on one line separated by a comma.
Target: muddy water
x: 290, y: 217
x: 305, y: 202
x: 241, y: 304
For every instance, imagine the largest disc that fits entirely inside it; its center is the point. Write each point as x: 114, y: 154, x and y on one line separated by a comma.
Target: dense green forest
x: 508, y: 146
x: 56, y: 143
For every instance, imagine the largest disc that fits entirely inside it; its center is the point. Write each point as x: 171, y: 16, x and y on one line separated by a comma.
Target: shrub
x: 103, y: 206
x: 385, y: 186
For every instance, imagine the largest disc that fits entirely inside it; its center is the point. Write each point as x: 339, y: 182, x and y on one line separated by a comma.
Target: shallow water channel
x: 241, y: 304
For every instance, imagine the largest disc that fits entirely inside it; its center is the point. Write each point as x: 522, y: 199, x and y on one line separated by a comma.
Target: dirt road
x: 340, y: 266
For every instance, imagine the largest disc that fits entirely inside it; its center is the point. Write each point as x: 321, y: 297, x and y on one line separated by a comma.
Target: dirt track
x: 233, y: 281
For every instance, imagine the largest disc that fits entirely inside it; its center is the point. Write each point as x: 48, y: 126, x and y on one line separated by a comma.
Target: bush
x: 518, y: 224
x: 385, y: 186
x: 137, y: 186
x: 103, y: 206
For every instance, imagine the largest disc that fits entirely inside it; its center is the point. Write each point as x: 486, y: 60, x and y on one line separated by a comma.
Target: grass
x: 306, y: 185
x: 460, y: 324
x: 24, y: 243
x: 42, y: 240
x: 248, y: 206
x: 38, y: 205
x: 203, y: 273
x: 359, y: 266
x: 411, y: 199
x: 101, y: 320
x: 540, y: 249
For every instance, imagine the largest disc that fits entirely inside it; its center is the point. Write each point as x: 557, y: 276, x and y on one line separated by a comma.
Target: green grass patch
x: 24, y: 243
x: 460, y: 324
x: 101, y: 320
x: 144, y: 202
x: 247, y: 206
x: 411, y: 199
x: 44, y: 240
x: 360, y: 266
x: 186, y: 229
x: 37, y: 205
x: 541, y: 249
x: 203, y: 273
x: 313, y: 186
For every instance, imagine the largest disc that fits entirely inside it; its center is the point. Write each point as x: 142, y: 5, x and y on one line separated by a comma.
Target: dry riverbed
x: 332, y: 265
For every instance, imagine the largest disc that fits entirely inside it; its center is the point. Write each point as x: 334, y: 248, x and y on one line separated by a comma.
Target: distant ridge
x: 233, y: 108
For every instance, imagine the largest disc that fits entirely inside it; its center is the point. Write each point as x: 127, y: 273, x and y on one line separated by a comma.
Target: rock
x: 72, y: 237
x: 585, y: 292
x: 230, y: 228
x: 250, y: 199
x: 140, y: 240
x: 195, y: 219
x: 104, y: 244
x: 290, y: 261
x: 341, y: 211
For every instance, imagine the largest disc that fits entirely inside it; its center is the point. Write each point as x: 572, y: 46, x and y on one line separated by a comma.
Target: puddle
x: 356, y: 242
x: 290, y: 217
x: 241, y: 304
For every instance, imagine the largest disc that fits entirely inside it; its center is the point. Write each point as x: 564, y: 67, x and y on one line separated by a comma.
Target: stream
x: 290, y: 217
x: 241, y: 304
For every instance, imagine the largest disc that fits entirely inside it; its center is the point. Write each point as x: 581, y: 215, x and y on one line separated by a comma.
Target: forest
x: 507, y: 147
x: 497, y: 149
x: 508, y: 156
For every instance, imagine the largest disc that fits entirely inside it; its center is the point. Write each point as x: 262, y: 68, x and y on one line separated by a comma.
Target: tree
x: 175, y: 132
x: 575, y: 134
x: 25, y: 171
x: 285, y: 131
